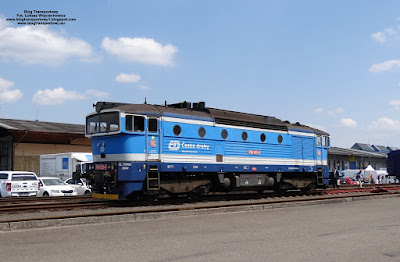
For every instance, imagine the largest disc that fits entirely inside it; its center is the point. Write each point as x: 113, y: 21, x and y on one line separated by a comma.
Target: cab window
x: 138, y: 124
x: 153, y: 125
x: 318, y: 141
x: 326, y: 141
x: 128, y: 123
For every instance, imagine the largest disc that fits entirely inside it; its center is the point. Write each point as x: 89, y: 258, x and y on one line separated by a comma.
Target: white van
x: 18, y: 183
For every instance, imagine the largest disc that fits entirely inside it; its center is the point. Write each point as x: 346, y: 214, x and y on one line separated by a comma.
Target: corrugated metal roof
x: 39, y: 126
x: 381, y: 148
x: 355, y: 152
x: 361, y: 146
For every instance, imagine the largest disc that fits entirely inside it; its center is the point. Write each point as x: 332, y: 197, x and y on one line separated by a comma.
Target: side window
x: 318, y: 141
x: 224, y: 134
x: 280, y: 139
x: 128, y: 123
x: 153, y: 125
x: 202, y: 132
x: 244, y: 136
x: 177, y: 130
x: 327, y: 142
x: 3, y: 176
x: 138, y: 124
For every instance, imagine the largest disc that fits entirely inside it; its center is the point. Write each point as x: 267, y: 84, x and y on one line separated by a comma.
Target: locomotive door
x: 153, y: 144
x: 319, y: 151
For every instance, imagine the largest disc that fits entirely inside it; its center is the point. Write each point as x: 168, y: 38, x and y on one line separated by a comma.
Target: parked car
x: 18, y: 183
x: 350, y: 181
x: 343, y: 181
x: 79, y: 186
x: 52, y: 186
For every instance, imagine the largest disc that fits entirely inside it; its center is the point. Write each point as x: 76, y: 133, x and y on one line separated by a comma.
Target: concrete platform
x: 342, y: 231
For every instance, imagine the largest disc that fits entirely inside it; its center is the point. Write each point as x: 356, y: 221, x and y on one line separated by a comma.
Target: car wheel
x: 88, y: 193
x: 45, y: 194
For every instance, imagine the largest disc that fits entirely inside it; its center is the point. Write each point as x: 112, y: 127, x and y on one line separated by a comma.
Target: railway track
x: 107, y: 208
x: 16, y: 200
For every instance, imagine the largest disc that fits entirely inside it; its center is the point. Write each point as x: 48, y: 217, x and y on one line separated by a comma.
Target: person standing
x: 335, y: 177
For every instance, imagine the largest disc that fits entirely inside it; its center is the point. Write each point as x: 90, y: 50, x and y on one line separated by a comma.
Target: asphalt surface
x: 366, y: 230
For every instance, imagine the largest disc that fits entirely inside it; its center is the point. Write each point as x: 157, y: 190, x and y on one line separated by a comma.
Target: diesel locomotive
x: 185, y: 148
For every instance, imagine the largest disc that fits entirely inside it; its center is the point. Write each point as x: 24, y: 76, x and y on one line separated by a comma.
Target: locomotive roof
x: 199, y: 112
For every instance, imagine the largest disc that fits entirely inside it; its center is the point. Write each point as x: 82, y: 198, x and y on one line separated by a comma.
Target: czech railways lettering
x: 177, y: 145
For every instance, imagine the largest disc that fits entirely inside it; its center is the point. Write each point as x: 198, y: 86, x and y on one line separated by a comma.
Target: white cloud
x: 8, y: 95
x: 142, y: 50
x: 143, y: 87
x: 348, y: 122
x: 3, y: 23
x: 337, y: 111
x: 385, y: 66
x: 379, y: 37
x: 56, y: 96
x: 319, y: 110
x: 40, y: 45
x: 385, y: 124
x: 97, y: 93
x: 395, y: 104
x: 385, y: 35
x: 127, y: 78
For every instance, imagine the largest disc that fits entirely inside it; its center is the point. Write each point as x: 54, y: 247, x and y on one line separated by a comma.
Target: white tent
x: 369, y: 168
x: 368, y: 172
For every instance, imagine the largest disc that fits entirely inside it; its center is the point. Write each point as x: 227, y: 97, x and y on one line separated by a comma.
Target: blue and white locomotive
x: 143, y: 149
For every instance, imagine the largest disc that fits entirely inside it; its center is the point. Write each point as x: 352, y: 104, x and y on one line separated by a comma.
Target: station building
x: 343, y: 158
x: 22, y: 142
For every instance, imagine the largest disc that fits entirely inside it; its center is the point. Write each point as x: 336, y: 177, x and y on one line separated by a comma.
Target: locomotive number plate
x: 100, y: 167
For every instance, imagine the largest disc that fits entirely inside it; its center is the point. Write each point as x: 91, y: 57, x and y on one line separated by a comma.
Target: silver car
x: 79, y: 186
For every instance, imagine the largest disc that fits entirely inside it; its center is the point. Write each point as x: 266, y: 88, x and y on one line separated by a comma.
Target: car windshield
x: 23, y: 177
x: 52, y: 182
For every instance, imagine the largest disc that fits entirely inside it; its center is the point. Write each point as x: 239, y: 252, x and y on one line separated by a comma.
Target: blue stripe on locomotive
x: 292, y: 146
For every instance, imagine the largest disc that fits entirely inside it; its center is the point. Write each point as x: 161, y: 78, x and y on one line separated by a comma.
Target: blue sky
x: 334, y: 65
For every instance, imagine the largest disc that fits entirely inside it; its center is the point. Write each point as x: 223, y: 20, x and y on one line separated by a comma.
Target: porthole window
x: 280, y: 139
x: 263, y: 137
x: 177, y: 130
x: 224, y: 134
x: 202, y: 132
x: 244, y: 136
